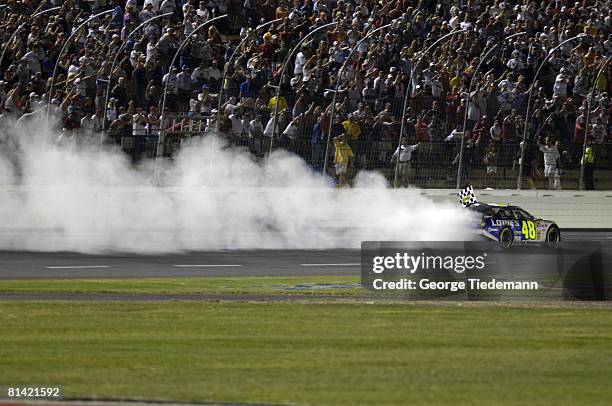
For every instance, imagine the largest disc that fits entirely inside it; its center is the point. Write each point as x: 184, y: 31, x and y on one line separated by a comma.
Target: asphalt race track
x: 37, y: 265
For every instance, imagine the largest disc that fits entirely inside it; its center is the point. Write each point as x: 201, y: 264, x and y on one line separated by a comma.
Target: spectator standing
x: 342, y: 156
x: 404, y: 154
x: 551, y: 159
x: 588, y: 161
x: 490, y: 161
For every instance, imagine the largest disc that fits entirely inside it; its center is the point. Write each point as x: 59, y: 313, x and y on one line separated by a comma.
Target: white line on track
x: 205, y: 265
x: 346, y: 264
x: 77, y: 267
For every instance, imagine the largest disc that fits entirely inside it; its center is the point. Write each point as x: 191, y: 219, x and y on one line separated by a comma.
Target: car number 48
x: 529, y: 231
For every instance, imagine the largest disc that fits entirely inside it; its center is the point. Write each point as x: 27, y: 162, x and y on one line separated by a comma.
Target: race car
x: 509, y: 224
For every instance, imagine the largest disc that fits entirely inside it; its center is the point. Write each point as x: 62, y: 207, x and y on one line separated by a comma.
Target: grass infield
x: 329, y: 285
x: 303, y: 353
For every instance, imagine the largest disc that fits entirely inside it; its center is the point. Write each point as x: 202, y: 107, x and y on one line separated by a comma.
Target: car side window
x: 506, y: 214
x: 523, y: 214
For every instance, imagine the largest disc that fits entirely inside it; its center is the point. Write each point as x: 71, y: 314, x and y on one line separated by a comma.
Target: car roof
x: 489, y: 207
x: 480, y: 206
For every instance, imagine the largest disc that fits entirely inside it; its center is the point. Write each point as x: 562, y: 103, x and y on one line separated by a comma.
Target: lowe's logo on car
x: 504, y: 223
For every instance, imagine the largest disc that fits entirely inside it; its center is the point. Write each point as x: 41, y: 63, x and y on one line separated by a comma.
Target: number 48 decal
x: 529, y: 231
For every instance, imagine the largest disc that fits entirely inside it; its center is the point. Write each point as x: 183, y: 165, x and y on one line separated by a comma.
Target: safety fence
x: 433, y: 163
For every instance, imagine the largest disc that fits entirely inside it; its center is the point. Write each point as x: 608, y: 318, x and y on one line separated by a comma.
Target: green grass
x: 323, y: 354
x: 252, y: 285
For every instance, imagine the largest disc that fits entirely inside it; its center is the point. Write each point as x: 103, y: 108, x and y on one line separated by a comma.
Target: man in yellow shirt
x: 351, y: 128
x: 343, y: 154
x: 282, y: 104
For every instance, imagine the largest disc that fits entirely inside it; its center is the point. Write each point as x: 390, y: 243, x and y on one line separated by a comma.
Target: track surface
x: 36, y: 265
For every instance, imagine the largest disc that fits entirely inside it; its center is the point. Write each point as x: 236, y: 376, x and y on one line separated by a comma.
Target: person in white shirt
x: 457, y: 133
x: 199, y: 74
x: 495, y: 132
x: 185, y: 86
x: 291, y: 131
x: 256, y: 131
x: 273, y: 126
x: 172, y: 80
x: 379, y: 84
x: 246, y: 125
x: 551, y: 155
x: 300, y: 61
x: 237, y: 127
x: 256, y: 127
x: 79, y: 87
x: 560, y: 86
x: 213, y: 73
x: 360, y: 112
x: 404, y: 154
x: 33, y: 58
x: 96, y: 122
x: 454, y: 20
x: 230, y: 106
x: 436, y: 87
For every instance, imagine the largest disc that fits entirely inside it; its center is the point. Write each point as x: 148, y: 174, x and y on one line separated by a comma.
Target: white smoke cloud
x: 63, y: 198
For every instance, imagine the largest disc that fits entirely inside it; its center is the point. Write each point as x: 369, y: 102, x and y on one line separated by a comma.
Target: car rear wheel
x: 553, y: 236
x: 506, y: 237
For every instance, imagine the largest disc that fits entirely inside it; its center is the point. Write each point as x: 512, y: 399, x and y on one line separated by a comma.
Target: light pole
x: 340, y: 72
x: 160, y: 144
x: 231, y: 58
x: 527, y: 114
x: 282, y: 74
x: 112, y: 67
x: 21, y: 27
x: 59, y: 56
x: 413, y: 70
x: 603, y: 65
x: 467, y: 104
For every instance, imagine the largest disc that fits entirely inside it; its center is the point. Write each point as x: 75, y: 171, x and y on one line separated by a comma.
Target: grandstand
x: 498, y: 94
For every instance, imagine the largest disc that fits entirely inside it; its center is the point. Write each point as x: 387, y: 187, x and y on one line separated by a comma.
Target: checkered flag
x: 467, y: 196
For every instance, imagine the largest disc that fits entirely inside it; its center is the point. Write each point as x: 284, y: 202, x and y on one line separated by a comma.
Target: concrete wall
x: 569, y: 209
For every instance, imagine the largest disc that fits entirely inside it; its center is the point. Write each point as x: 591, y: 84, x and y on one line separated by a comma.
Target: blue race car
x: 508, y: 224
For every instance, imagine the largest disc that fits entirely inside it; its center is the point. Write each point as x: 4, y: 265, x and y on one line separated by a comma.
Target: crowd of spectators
x: 368, y: 113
